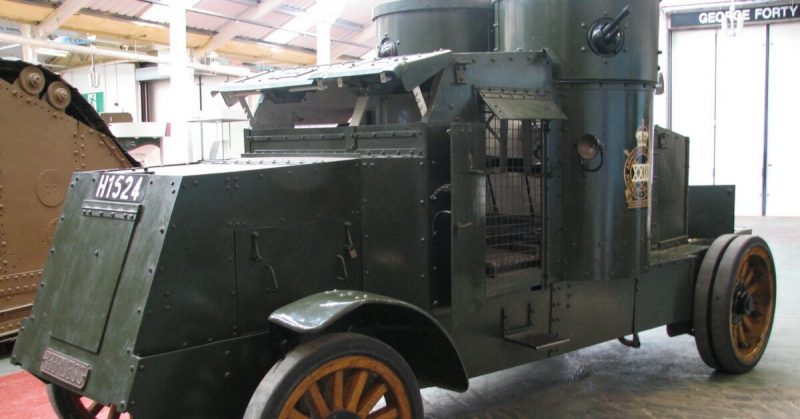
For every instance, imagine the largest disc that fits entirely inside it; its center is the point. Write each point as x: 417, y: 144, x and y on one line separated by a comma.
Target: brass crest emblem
x: 637, y: 170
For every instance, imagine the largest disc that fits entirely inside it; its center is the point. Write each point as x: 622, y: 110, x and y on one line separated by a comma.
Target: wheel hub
x: 744, y: 303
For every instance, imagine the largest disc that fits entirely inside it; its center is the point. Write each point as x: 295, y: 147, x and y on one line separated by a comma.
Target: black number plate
x: 65, y: 369
x: 120, y: 187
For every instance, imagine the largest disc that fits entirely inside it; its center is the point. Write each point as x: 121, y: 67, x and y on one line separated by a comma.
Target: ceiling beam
x: 231, y: 29
x: 362, y: 38
x: 297, y: 12
x: 55, y: 20
x: 121, y: 55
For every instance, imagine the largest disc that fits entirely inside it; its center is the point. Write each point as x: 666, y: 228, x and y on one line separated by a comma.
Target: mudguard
x: 417, y: 336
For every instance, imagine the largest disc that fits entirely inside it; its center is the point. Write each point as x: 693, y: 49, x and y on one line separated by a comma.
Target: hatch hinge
x: 115, y: 210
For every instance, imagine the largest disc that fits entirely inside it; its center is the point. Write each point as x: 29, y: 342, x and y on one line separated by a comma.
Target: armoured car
x: 409, y: 221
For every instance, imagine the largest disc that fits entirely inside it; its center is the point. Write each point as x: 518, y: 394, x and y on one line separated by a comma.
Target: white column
x: 28, y: 51
x: 177, y: 147
x: 324, y: 41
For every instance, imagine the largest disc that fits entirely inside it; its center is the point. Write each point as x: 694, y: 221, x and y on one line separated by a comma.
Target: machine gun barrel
x: 610, y: 30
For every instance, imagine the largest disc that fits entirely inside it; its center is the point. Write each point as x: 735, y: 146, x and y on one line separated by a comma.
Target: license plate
x: 65, y: 369
x: 120, y: 187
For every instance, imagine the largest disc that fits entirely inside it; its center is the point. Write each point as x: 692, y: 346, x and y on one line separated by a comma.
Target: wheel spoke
x: 354, y: 389
x: 754, y: 288
x: 371, y: 399
x: 748, y: 277
x: 387, y: 412
x: 338, y: 390
x: 95, y: 408
x: 294, y: 414
x: 747, y: 323
x: 737, y: 335
x: 318, y: 400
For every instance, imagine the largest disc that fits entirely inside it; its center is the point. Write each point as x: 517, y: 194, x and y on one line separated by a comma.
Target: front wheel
x: 740, y: 306
x: 338, y: 376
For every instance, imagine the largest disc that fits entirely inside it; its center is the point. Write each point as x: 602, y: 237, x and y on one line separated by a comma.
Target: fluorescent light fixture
x: 51, y: 52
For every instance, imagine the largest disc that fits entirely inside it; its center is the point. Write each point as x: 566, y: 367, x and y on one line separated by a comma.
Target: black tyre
x: 702, y: 296
x: 342, y: 375
x: 743, y: 304
x: 69, y: 405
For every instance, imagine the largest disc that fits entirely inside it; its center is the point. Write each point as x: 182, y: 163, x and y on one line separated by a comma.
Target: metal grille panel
x: 514, y: 195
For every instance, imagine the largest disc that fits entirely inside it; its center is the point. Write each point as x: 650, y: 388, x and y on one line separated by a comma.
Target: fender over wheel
x: 740, y: 305
x: 69, y: 405
x: 338, y: 376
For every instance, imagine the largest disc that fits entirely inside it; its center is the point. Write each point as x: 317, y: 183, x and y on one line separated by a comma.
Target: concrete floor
x: 665, y: 378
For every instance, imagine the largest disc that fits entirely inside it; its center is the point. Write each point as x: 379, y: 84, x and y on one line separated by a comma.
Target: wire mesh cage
x: 514, y: 194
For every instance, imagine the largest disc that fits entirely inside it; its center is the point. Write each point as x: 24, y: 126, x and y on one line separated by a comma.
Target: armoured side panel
x: 106, y: 341
x: 564, y: 27
x: 669, y: 225
x: 604, y: 200
x: 607, y: 54
x: 415, y: 26
x: 664, y: 295
x: 395, y: 229
x: 705, y: 224
x: 468, y: 220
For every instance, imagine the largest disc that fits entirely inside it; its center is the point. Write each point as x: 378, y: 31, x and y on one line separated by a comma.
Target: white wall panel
x: 741, y: 84
x: 783, y: 197
x: 117, y: 82
x: 693, y: 86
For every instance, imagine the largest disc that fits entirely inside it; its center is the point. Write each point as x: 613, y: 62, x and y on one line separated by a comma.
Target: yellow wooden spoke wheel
x: 69, y: 405
x: 338, y: 376
x: 740, y: 305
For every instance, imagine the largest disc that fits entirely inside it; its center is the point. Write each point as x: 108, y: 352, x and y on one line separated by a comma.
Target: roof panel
x: 209, y: 23
x: 300, y: 4
x: 225, y: 7
x: 360, y: 11
x: 120, y: 7
x: 247, y: 30
x: 409, y: 71
x: 309, y: 42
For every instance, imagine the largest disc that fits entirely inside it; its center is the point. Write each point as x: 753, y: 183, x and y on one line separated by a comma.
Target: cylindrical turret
x: 607, y: 52
x: 417, y: 26
x: 573, y: 30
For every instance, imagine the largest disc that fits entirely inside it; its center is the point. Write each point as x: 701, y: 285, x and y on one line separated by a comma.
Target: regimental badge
x: 637, y: 170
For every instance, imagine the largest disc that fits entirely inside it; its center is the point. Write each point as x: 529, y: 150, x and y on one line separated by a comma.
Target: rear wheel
x: 338, y: 376
x: 69, y: 405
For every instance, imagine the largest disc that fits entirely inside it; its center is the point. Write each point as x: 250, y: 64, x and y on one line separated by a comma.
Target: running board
x: 533, y: 340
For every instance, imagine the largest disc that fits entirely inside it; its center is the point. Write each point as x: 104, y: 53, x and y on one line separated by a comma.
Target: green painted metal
x: 529, y: 25
x: 385, y: 73
x: 707, y: 224
x: 467, y: 220
x: 317, y: 312
x: 415, y: 26
x: 610, y: 241
x: 669, y: 225
x: 522, y: 105
x: 321, y: 312
x: 82, y: 321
